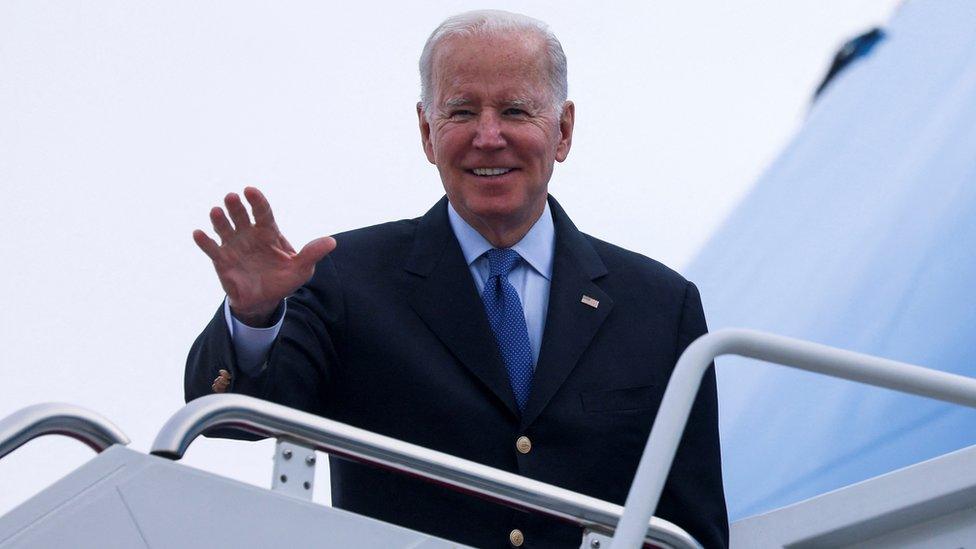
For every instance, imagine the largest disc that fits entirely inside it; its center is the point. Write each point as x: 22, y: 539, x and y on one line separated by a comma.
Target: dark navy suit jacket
x: 390, y: 335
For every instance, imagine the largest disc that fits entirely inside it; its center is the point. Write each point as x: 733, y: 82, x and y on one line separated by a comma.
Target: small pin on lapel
x: 587, y: 300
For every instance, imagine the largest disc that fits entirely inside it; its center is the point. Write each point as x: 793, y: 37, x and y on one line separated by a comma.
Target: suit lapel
x: 570, y: 323
x: 446, y: 298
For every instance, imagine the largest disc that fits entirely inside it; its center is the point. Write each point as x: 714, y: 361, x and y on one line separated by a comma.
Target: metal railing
x: 55, y: 418
x: 273, y: 420
x: 682, y: 389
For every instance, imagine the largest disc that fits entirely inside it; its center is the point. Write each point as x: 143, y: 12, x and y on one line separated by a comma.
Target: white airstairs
x: 124, y: 498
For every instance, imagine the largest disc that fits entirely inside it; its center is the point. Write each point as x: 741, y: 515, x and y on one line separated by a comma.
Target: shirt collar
x: 536, y: 247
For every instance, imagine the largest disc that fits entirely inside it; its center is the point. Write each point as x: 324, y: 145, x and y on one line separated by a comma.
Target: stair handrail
x: 679, y: 396
x: 274, y: 420
x: 58, y: 418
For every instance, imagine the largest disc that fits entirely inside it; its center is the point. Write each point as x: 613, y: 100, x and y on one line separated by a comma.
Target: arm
x: 251, y: 344
x: 693, y: 496
x: 258, y: 268
x: 297, y: 366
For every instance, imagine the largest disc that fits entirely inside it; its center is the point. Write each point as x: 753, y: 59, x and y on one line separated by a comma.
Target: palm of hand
x: 258, y: 266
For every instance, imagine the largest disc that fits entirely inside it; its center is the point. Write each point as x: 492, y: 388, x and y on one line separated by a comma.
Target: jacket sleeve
x: 693, y: 496
x: 299, y: 363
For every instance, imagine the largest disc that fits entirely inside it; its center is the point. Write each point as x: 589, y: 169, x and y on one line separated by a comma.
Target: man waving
x: 490, y: 328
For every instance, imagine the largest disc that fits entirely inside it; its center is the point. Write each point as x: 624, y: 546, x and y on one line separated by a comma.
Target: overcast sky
x: 122, y: 123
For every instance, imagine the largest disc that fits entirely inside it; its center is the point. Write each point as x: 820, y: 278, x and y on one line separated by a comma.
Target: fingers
x: 237, y: 211
x: 221, y: 382
x: 220, y: 224
x: 259, y: 207
x: 315, y: 250
x: 207, y: 244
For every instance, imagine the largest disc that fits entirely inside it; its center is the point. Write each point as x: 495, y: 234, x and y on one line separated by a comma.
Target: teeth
x: 491, y: 171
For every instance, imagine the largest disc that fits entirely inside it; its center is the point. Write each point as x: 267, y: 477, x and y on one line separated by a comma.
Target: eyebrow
x: 516, y: 102
x: 457, y: 102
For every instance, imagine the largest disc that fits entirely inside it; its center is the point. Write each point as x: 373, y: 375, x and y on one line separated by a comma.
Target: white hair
x: 489, y: 22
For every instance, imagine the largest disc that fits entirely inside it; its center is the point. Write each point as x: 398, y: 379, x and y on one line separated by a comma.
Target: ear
x: 425, y: 133
x: 566, y: 121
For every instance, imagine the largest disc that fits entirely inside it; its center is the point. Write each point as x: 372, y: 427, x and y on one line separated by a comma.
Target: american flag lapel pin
x: 587, y: 300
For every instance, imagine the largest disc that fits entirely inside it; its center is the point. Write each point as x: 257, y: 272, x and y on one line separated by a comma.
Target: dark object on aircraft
x: 852, y: 50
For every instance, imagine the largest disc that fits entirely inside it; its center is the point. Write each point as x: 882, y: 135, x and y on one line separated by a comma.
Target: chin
x: 504, y: 207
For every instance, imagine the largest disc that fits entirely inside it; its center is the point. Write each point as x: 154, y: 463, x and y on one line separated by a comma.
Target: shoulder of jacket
x: 626, y: 262
x: 390, y: 231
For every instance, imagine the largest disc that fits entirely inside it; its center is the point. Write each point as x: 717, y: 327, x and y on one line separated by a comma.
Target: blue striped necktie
x: 508, y: 322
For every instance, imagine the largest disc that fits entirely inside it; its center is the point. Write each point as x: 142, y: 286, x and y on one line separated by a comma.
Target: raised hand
x: 256, y: 266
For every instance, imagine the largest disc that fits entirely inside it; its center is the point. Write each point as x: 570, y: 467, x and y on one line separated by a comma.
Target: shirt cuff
x: 252, y: 344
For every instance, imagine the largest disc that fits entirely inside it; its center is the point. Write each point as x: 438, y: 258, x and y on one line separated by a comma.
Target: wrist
x: 257, y: 317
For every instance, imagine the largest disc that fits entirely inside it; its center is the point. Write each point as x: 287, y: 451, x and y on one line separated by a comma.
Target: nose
x: 488, y: 134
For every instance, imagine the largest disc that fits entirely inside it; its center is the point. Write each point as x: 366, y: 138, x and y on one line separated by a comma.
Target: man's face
x: 493, y: 131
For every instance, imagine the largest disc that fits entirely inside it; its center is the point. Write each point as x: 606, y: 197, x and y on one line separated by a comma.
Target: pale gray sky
x: 122, y: 123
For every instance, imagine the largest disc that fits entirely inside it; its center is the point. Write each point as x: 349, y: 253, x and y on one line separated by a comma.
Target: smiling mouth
x: 490, y: 172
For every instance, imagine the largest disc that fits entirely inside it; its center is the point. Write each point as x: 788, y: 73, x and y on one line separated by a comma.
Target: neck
x: 503, y: 238
x: 503, y: 233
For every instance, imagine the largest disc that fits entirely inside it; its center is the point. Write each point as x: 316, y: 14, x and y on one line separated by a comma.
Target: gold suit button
x: 523, y: 445
x: 516, y: 538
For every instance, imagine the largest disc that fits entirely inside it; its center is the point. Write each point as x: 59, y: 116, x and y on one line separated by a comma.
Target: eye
x: 461, y: 113
x: 514, y: 111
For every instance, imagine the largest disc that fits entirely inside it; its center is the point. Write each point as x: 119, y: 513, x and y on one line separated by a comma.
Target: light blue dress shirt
x: 531, y: 279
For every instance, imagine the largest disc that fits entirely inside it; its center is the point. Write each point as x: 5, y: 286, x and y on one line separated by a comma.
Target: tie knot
x: 501, y: 261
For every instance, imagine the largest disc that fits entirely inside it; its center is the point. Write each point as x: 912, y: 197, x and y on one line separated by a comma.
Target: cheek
x: 540, y: 143
x: 541, y: 153
x: 448, y: 142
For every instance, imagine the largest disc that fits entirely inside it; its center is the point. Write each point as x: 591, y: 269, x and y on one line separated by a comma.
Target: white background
x: 122, y: 123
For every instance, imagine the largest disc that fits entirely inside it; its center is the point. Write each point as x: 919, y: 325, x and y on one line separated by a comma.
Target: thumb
x: 315, y: 250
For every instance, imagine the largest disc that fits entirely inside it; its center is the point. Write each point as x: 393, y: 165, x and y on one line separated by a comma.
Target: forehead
x: 509, y: 65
